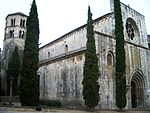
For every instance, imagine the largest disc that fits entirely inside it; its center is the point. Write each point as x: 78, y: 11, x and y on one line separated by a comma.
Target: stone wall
x: 61, y: 62
x: 63, y: 68
x: 14, y: 30
x: 138, y: 22
x: 61, y: 80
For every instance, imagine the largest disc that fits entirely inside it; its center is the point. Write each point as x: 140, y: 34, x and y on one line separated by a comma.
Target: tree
x: 28, y: 86
x: 120, y: 58
x: 90, y: 69
x: 13, y: 71
x: 149, y: 45
x: 0, y: 86
x: 0, y: 74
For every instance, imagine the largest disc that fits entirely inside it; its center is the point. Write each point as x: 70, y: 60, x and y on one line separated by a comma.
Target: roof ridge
x: 17, y: 13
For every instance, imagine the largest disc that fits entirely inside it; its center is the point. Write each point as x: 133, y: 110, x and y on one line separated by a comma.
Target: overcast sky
x: 57, y: 17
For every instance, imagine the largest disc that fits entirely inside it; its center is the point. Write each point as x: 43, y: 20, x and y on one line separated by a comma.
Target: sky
x: 57, y: 17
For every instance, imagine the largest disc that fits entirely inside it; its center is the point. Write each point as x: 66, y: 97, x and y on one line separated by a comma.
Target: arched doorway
x: 137, y: 90
x: 133, y: 95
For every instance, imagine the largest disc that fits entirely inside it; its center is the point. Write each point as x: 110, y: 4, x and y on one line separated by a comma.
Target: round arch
x: 132, y: 28
x: 137, y: 89
x: 139, y: 74
x: 110, y: 58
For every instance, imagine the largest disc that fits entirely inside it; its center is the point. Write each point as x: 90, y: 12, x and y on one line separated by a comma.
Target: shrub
x: 54, y: 103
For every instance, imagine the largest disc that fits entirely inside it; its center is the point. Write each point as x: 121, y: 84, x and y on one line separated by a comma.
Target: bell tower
x: 15, y: 32
x: 14, y: 35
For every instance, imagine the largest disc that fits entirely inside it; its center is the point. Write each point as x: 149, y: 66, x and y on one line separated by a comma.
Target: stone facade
x: 61, y: 63
x: 15, y: 34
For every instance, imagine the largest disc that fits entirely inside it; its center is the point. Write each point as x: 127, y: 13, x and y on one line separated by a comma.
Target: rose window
x: 130, y: 30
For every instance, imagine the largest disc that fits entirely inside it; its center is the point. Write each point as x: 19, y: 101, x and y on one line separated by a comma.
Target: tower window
x: 11, y: 22
x: 20, y: 34
x: 14, y: 22
x: 23, y: 25
x: 11, y: 33
x: 20, y: 22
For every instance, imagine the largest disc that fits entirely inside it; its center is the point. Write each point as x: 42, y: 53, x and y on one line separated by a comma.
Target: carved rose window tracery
x: 130, y: 30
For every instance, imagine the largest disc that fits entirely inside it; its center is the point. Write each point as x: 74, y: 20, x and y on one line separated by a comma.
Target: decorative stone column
x: 129, y: 104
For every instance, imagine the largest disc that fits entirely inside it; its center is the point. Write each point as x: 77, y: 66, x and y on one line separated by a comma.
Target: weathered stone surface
x: 15, y: 34
x: 61, y: 62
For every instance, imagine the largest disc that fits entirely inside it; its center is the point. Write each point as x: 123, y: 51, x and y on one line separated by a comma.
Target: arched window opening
x: 109, y: 59
x: 49, y: 54
x: 131, y: 29
x: 11, y: 22
x: 66, y: 48
x: 20, y: 34
x: 21, y: 23
x: 11, y: 33
x: 14, y: 22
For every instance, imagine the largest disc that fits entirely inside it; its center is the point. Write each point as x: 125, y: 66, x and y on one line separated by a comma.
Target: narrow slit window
x: 11, y: 33
x: 14, y: 22
x: 49, y: 54
x: 20, y: 34
x: 11, y: 22
x: 21, y: 23
x: 66, y: 48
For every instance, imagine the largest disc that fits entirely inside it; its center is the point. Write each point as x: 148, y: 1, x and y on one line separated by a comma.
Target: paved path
x: 55, y: 110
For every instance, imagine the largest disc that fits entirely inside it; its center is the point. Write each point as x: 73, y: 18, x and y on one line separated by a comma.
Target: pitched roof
x: 17, y: 13
x: 54, y: 41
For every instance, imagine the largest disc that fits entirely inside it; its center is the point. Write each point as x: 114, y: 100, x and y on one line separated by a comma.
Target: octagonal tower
x: 14, y: 35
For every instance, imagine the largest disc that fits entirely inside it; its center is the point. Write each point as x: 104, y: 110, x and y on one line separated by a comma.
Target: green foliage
x: 148, y: 45
x: 0, y: 85
x: 90, y: 69
x: 28, y: 86
x: 120, y: 58
x: 53, y: 103
x: 13, y: 71
x: 0, y: 74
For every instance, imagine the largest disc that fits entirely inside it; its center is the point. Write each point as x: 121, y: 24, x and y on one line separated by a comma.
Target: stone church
x: 61, y: 61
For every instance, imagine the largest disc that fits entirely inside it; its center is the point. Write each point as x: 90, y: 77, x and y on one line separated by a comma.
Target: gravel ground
x: 58, y: 110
